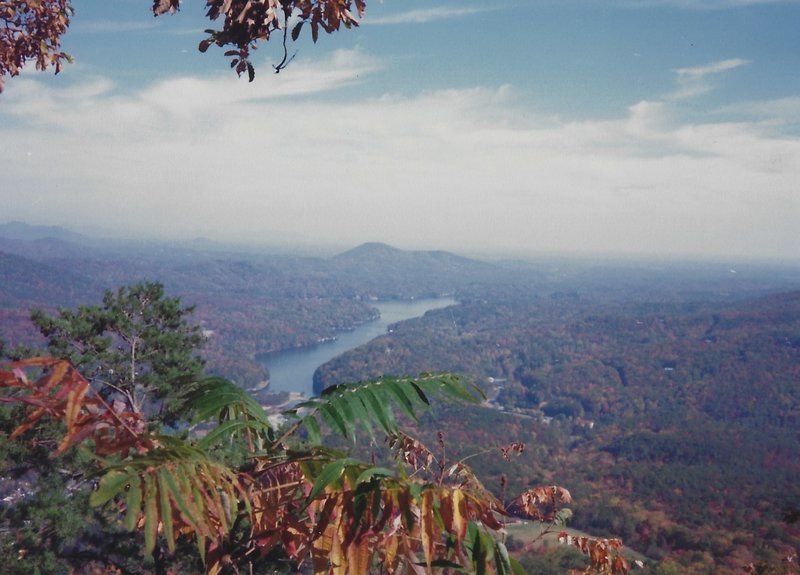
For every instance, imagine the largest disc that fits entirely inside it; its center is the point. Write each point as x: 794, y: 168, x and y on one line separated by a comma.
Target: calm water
x: 293, y: 370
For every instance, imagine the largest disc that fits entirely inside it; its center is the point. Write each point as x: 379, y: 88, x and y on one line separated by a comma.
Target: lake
x: 293, y: 370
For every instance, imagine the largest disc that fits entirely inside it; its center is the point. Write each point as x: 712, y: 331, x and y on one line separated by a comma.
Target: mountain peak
x: 377, y: 255
x: 370, y: 249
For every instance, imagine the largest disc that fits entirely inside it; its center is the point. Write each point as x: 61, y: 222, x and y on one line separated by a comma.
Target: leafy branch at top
x: 31, y: 30
x: 246, y: 22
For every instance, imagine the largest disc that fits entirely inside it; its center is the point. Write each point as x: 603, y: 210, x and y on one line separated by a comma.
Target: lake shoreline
x: 291, y: 370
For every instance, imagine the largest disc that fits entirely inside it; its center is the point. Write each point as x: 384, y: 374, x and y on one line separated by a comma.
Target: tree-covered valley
x: 677, y: 423
x: 664, y: 396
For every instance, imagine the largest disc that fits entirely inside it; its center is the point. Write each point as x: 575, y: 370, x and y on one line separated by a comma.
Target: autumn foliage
x: 31, y: 30
x: 292, y: 497
x: 246, y: 22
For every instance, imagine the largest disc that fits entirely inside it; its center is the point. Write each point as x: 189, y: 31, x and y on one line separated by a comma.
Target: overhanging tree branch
x: 32, y: 29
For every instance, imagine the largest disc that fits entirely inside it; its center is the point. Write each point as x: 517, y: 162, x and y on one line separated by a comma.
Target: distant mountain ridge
x: 28, y: 232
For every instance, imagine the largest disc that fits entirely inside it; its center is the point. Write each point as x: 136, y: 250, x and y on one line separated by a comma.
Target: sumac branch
x: 294, y: 498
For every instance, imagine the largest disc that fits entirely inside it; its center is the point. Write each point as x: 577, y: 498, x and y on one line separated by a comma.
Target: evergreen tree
x: 136, y: 346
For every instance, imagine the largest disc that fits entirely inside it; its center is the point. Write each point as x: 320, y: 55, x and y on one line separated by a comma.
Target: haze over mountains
x: 253, y: 302
x: 34, y: 256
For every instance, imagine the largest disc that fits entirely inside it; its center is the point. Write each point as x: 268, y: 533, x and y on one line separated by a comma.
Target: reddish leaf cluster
x: 515, y: 448
x: 603, y: 553
x: 245, y: 22
x: 32, y: 30
x: 410, y: 451
x: 540, y: 503
x: 64, y: 395
x: 338, y: 514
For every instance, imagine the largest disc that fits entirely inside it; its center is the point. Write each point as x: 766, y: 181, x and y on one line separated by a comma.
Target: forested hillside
x: 678, y: 423
x: 665, y: 397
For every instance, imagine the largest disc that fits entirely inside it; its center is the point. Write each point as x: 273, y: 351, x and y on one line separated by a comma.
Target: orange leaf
x: 358, y: 556
x: 427, y: 521
x: 453, y: 512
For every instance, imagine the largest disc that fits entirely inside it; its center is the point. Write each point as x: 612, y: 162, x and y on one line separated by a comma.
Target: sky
x: 655, y: 128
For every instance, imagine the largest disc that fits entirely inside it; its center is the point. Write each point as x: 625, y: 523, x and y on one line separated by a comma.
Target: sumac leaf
x: 312, y: 427
x: 373, y: 472
x: 330, y: 473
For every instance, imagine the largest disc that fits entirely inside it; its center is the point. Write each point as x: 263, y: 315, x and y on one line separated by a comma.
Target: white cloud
x: 96, y: 106
x: 704, y: 4
x: 425, y: 15
x: 103, y: 26
x: 780, y: 110
x: 188, y: 96
x: 696, y: 81
x: 700, y: 72
x: 453, y: 169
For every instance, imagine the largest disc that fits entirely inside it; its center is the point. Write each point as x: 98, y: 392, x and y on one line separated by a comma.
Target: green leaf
x: 330, y: 473
x: 478, y: 553
x: 377, y: 507
x: 359, y: 506
x: 360, y: 411
x: 516, y: 567
x: 150, y: 515
x: 331, y: 389
x: 501, y: 559
x: 111, y: 485
x: 450, y: 385
x: 372, y: 472
x: 221, y: 399
x: 230, y: 430
x: 310, y: 404
x: 166, y: 508
x: 312, y: 427
x: 196, y: 490
x: 332, y: 418
x: 472, y: 538
x: 342, y: 407
x: 562, y: 516
x: 442, y: 564
x: 420, y: 393
x: 180, y: 492
x: 133, y: 503
x: 403, y: 400
x: 201, y: 548
x: 378, y: 409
